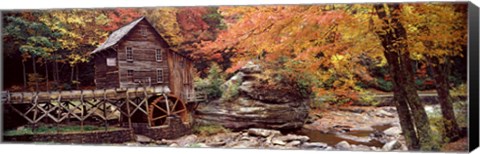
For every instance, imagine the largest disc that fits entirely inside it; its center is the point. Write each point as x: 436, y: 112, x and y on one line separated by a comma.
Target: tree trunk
x: 76, y: 77
x: 46, y: 75
x: 440, y: 73
x: 72, y: 74
x: 35, y: 72
x: 24, y: 76
x: 393, y: 39
x: 54, y: 71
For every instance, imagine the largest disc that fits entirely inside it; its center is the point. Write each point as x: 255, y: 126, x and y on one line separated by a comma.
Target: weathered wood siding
x: 144, y: 64
x: 144, y: 41
x: 181, y: 75
x: 106, y: 76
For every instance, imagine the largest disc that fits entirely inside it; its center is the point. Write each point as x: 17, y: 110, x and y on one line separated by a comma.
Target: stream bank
x: 351, y: 128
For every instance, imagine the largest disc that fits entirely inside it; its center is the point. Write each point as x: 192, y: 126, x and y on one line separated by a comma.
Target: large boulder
x: 259, y: 103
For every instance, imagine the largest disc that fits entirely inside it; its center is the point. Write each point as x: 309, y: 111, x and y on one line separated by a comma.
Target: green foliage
x: 304, y: 85
x: 211, y: 84
x: 461, y: 113
x: 368, y: 98
x: 422, y: 85
x: 51, y: 129
x: 34, y: 38
x: 231, y: 92
x: 336, y: 99
x: 438, y: 131
x: 384, y: 85
x: 460, y: 90
x: 436, y: 121
x: 209, y: 129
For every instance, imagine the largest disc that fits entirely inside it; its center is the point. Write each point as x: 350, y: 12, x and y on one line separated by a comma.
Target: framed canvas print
x: 327, y: 77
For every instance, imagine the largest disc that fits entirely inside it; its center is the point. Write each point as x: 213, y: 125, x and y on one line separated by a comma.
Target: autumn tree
x: 35, y: 40
x: 79, y: 35
x: 165, y: 21
x: 314, y: 45
x: 438, y: 33
x: 320, y: 44
x: 118, y: 17
x: 393, y: 37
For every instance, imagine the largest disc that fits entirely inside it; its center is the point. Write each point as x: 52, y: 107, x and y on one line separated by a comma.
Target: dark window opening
x: 159, y: 55
x: 129, y: 54
x: 159, y: 76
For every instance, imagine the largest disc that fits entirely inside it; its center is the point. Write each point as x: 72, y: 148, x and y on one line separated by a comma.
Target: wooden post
x: 128, y: 111
x: 105, y: 114
x: 35, y: 111
x: 105, y: 110
x: 145, y: 98
x: 82, y: 106
x: 129, y: 115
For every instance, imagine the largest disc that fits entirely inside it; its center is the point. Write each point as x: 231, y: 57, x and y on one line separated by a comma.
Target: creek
x: 333, y: 138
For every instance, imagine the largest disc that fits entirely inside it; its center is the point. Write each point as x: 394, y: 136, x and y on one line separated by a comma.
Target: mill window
x: 143, y: 32
x: 159, y: 55
x: 129, y: 73
x: 129, y: 54
x: 159, y: 76
x: 111, y: 62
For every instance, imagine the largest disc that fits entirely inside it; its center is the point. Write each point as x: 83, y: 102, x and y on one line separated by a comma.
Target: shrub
x: 384, y: 85
x: 53, y: 129
x: 368, y: 98
x: 209, y: 129
x: 211, y: 84
x: 460, y: 90
x: 231, y: 92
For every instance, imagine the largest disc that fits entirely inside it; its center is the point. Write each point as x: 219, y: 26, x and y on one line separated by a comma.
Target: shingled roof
x: 117, y: 35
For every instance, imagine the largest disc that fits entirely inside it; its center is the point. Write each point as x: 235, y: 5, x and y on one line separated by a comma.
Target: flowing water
x: 332, y: 139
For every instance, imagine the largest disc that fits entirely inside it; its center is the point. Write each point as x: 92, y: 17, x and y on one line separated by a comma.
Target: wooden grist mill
x: 140, y: 84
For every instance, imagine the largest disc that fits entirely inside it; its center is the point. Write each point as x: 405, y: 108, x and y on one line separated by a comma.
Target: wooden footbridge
x: 150, y: 105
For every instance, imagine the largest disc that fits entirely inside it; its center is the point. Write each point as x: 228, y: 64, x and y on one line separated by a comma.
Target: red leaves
x: 120, y: 17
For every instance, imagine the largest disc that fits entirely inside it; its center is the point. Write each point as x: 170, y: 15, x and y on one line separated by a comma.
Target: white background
x: 94, y: 149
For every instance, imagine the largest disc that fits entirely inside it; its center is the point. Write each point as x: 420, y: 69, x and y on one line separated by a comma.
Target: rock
x: 20, y: 128
x: 291, y: 137
x: 173, y: 145
x: 262, y: 132
x: 247, y: 86
x: 390, y: 109
x: 383, y: 113
x: 132, y: 144
x: 247, y: 138
x: 237, y: 78
x: 393, y: 131
x: 360, y: 148
x: 329, y: 148
x: 314, y: 145
x: 293, y: 143
x: 216, y: 143
x: 244, y: 144
x: 344, y: 145
x: 186, y: 140
x: 143, y: 139
x: 353, y: 110
x: 392, y: 145
x: 278, y: 142
x: 200, y: 145
x: 250, y: 68
x: 260, y: 103
x: 269, y: 139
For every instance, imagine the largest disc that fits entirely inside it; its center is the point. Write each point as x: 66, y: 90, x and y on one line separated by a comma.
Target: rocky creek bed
x: 349, y: 128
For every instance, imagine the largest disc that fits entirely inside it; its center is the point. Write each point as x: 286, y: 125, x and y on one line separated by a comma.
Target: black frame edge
x: 473, y: 92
